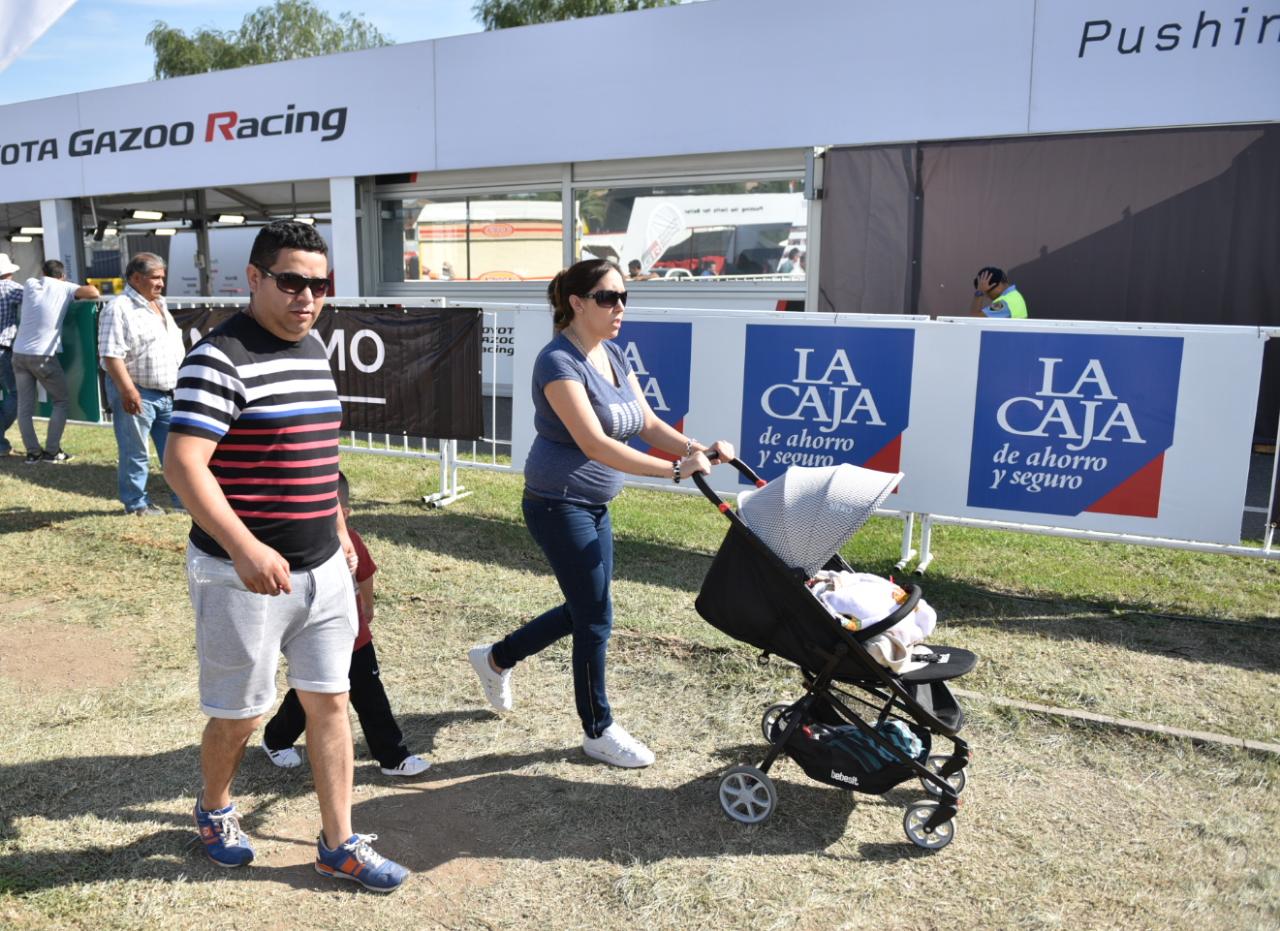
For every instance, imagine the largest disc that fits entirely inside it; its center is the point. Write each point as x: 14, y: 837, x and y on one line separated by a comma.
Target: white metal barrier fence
x: 721, y: 396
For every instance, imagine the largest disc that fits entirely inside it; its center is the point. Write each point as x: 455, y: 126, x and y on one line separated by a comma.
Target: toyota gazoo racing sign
x: 215, y: 128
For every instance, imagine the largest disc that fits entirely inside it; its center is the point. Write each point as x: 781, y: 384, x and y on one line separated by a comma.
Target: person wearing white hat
x: 10, y: 302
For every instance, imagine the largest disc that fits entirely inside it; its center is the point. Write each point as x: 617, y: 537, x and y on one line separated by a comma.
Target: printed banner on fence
x: 659, y: 354
x: 1068, y: 423
x: 413, y: 373
x: 818, y: 396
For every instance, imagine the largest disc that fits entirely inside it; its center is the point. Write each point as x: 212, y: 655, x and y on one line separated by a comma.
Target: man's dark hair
x: 144, y: 263
x: 285, y: 234
x: 53, y: 269
x: 997, y: 275
x: 344, y: 490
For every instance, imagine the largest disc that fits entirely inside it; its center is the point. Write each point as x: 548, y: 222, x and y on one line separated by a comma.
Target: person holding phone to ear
x: 994, y: 295
x: 587, y: 405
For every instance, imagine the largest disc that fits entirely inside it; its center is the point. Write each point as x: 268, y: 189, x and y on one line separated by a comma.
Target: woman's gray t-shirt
x: 556, y: 468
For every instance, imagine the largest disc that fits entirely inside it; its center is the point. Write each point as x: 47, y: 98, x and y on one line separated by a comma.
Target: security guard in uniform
x: 996, y: 296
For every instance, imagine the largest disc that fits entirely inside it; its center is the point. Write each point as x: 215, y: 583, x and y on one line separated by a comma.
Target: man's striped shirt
x: 272, y: 407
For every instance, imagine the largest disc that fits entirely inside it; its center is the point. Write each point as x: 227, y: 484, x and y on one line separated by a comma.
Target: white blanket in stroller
x: 859, y: 598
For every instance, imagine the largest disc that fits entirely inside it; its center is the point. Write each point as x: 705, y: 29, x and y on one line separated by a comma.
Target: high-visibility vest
x: 1009, y: 304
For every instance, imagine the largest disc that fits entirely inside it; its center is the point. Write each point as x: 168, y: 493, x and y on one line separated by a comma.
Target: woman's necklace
x: 606, y: 370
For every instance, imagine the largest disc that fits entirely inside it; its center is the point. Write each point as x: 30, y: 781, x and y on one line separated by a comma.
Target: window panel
x: 488, y: 237
x: 733, y: 229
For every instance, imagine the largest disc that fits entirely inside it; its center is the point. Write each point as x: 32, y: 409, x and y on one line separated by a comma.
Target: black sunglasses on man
x: 293, y: 283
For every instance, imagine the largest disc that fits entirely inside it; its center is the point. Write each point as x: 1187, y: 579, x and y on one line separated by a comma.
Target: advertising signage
x: 1066, y: 423
x: 818, y: 396
x: 452, y: 103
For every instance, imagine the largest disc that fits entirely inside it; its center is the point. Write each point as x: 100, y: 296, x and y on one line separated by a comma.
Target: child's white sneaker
x: 497, y: 685
x: 617, y: 748
x: 288, y: 758
x: 412, y: 765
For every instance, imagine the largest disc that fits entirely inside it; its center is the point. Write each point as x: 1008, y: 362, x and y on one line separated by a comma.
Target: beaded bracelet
x: 688, y: 446
x: 675, y: 471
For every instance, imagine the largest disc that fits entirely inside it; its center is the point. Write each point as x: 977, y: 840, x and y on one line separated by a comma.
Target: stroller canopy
x: 808, y: 514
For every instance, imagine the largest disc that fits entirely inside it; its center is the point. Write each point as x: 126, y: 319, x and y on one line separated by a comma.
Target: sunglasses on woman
x: 293, y: 283
x: 609, y: 299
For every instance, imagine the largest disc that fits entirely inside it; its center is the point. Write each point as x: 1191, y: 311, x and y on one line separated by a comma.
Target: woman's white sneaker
x: 617, y: 748
x: 497, y: 685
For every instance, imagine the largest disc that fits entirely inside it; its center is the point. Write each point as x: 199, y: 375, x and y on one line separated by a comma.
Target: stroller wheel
x: 772, y: 716
x: 747, y: 795
x: 913, y: 823
x: 956, y: 780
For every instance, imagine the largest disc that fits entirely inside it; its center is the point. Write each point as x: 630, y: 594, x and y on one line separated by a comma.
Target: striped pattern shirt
x: 10, y: 303
x: 272, y: 408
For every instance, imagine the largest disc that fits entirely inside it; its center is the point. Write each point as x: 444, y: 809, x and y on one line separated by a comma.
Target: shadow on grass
x: 487, y: 808
x: 90, y: 479
x: 22, y: 520
x: 482, y: 807
x: 484, y: 539
x: 960, y: 605
x: 79, y: 478
x: 1250, y: 646
x: 127, y: 788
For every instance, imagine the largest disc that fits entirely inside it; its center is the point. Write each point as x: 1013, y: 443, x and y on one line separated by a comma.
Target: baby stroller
x: 755, y: 592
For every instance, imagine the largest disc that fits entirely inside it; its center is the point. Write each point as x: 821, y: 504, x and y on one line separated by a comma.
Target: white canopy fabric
x: 21, y: 24
x: 807, y: 514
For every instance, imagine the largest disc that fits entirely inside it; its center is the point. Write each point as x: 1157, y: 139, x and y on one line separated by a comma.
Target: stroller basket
x: 842, y: 756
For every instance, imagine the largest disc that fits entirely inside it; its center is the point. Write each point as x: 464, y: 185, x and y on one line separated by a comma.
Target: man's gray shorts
x: 240, y: 635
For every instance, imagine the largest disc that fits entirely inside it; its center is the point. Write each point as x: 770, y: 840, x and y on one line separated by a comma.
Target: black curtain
x: 1161, y: 226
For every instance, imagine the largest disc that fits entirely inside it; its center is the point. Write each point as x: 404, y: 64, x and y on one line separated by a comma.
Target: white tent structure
x: 21, y: 24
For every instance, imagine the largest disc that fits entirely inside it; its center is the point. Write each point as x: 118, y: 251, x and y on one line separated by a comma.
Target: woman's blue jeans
x: 578, y: 542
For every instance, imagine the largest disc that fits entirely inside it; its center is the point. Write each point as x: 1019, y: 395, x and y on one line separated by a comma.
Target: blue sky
x: 102, y: 43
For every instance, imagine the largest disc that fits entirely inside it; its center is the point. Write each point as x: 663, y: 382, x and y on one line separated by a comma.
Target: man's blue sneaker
x: 220, y: 833
x: 358, y: 861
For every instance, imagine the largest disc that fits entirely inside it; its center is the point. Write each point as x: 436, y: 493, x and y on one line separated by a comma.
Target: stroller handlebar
x: 700, y: 480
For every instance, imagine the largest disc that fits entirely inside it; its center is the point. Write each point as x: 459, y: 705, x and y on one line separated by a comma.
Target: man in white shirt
x: 141, y: 348
x: 35, y: 357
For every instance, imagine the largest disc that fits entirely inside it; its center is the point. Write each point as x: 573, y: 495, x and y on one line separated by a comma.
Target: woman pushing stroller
x: 587, y: 405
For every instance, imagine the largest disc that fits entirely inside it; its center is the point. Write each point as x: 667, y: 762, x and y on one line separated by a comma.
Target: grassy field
x: 1063, y: 826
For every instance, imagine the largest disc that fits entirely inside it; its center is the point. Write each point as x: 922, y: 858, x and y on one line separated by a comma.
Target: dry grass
x: 1062, y: 827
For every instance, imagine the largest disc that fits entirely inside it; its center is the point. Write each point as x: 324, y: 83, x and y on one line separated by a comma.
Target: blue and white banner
x: 818, y: 396
x: 1123, y: 428
x: 1065, y: 423
x: 659, y: 355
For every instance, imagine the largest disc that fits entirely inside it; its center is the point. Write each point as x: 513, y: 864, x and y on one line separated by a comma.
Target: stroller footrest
x: 944, y: 663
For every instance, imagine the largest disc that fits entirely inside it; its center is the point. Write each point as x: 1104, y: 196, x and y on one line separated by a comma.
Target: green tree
x: 503, y: 14
x: 290, y: 29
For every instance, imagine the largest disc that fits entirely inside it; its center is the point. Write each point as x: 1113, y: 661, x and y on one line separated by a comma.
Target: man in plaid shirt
x: 10, y: 301
x: 141, y: 348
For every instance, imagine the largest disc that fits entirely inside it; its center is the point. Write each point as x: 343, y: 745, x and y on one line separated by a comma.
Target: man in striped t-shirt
x: 253, y: 452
